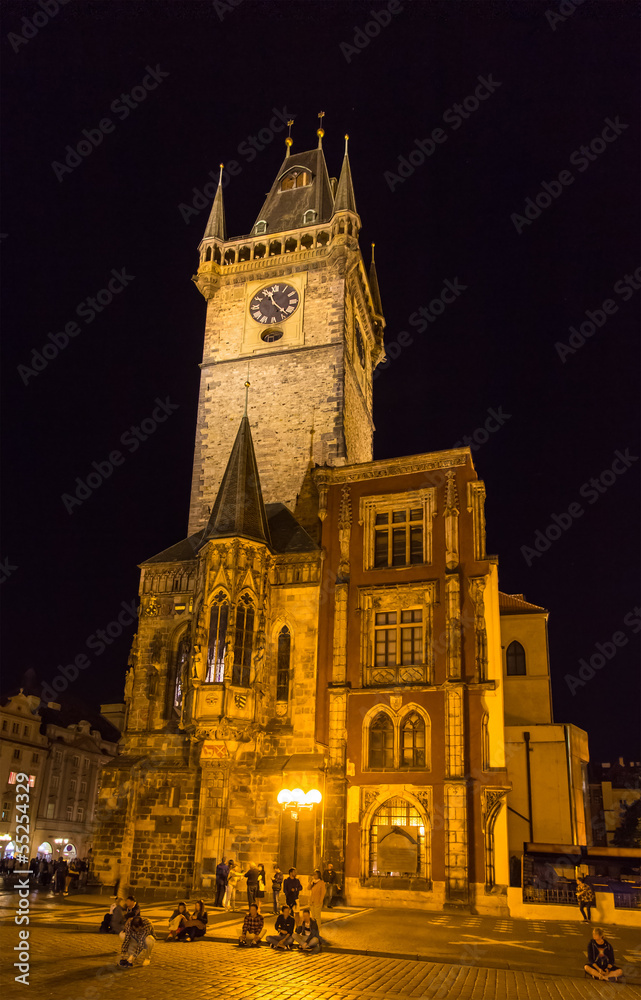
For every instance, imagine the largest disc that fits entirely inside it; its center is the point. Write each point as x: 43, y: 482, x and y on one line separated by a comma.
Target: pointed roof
x: 514, y: 604
x: 373, y: 286
x: 283, y: 210
x: 239, y: 509
x: 216, y: 224
x: 345, y: 200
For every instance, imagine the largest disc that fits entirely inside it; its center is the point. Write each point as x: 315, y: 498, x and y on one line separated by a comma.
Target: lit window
x: 218, y: 617
x: 398, y: 818
x: 515, y: 658
x: 11, y: 780
x: 413, y: 741
x: 243, y: 642
x: 381, y: 741
x: 284, y: 654
x: 398, y: 638
x: 295, y: 179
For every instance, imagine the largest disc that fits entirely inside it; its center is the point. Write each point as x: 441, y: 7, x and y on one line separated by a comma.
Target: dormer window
x: 295, y: 179
x: 260, y: 228
x: 309, y: 216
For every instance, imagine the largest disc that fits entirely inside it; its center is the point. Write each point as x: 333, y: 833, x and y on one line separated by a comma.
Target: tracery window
x: 413, y: 741
x: 515, y: 658
x: 182, y: 655
x: 243, y: 642
x: 218, y: 618
x: 397, y: 812
x: 381, y: 741
x: 283, y: 664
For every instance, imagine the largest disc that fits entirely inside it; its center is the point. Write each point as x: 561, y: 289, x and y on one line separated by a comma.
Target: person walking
x: 61, y: 874
x: 139, y: 937
x: 222, y: 872
x: 284, y: 927
x: 330, y: 878
x: 233, y: 879
x: 600, y: 963
x: 293, y: 889
x: 252, y: 883
x: 585, y: 898
x: 316, y: 896
x: 277, y: 885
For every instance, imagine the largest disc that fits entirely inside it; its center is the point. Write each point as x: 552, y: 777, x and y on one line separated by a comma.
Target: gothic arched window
x: 413, y: 741
x: 397, y: 844
x: 360, y: 346
x: 485, y: 742
x: 283, y: 664
x: 381, y: 741
x: 218, y: 618
x: 243, y: 642
x: 182, y: 655
x: 515, y: 658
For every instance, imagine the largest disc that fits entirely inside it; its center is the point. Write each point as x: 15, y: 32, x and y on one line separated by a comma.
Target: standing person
x: 260, y: 889
x: 284, y: 928
x: 61, y: 874
x: 585, y: 898
x: 316, y: 896
x: 307, y: 936
x: 253, y: 928
x: 601, y: 958
x: 233, y: 879
x: 84, y: 872
x: 73, y: 874
x: 222, y: 871
x: 293, y: 889
x: 277, y: 885
x: 43, y: 872
x: 330, y: 878
x: 138, y: 937
x: 252, y: 883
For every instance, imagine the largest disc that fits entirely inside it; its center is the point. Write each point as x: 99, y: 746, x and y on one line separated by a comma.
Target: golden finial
x: 320, y: 131
x: 346, y: 141
x: 289, y: 142
x: 373, y: 245
x: 220, y: 176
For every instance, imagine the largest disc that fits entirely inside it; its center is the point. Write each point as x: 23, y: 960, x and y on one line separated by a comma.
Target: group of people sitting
x: 301, y: 930
x: 135, y: 931
x: 184, y: 926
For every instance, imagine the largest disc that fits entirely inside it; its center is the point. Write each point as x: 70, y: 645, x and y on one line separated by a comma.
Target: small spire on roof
x: 216, y: 224
x: 320, y: 131
x: 289, y: 142
x: 345, y: 200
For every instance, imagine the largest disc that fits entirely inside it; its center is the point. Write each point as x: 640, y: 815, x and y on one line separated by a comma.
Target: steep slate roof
x: 182, y: 551
x: 286, y: 533
x: 239, y: 510
x: 216, y: 224
x: 284, y: 210
x: 515, y: 604
x: 345, y: 200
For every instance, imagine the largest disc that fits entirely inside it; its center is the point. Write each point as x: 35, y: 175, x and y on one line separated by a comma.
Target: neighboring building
x: 64, y: 758
x: 331, y: 623
x: 612, y: 788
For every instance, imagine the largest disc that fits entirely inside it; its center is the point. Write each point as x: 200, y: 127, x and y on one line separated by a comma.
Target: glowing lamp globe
x: 284, y: 796
x: 313, y: 797
x: 298, y: 796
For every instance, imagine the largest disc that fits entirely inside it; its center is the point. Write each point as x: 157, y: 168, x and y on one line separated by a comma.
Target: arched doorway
x: 9, y: 850
x: 45, y: 851
x: 69, y: 852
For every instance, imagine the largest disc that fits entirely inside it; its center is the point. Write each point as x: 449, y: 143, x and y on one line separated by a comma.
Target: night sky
x: 217, y: 74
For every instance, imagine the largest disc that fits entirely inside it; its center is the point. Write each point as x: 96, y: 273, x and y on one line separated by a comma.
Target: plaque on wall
x: 397, y: 850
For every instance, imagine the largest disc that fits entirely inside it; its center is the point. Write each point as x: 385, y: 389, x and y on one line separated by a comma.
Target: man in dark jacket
x: 330, y: 878
x: 601, y: 958
x: 222, y: 872
x: 292, y: 888
x: 284, y: 928
x: 307, y: 936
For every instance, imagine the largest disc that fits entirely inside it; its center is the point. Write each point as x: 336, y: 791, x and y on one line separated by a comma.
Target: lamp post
x: 295, y: 800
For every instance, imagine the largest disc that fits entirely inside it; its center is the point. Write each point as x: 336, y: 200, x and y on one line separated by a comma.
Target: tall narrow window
x: 182, y: 655
x: 381, y: 741
x: 485, y: 742
x: 218, y: 617
x: 515, y: 658
x: 243, y: 641
x: 413, y: 741
x: 284, y: 654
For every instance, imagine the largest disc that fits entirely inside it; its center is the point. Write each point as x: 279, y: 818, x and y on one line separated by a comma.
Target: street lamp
x: 295, y: 800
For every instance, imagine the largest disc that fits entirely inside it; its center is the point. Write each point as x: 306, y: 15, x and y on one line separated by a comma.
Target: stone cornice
x: 388, y: 467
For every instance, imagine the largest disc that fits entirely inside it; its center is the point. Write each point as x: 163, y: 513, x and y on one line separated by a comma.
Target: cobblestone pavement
x: 79, y: 964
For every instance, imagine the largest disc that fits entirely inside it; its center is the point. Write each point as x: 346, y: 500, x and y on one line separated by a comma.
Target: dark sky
x: 549, y: 87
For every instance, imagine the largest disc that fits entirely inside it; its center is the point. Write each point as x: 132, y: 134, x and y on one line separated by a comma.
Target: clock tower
x: 292, y: 310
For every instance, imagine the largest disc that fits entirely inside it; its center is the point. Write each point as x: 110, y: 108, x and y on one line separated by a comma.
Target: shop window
x: 283, y: 664
x: 218, y: 618
x: 397, y: 842
x: 515, y: 659
x: 381, y: 742
x: 243, y: 642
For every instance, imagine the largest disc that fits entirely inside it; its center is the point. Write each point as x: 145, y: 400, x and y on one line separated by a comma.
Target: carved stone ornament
x: 396, y: 700
x: 369, y: 796
x: 152, y: 610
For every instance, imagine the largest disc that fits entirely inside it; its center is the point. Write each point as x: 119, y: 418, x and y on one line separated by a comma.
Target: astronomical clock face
x: 274, y: 303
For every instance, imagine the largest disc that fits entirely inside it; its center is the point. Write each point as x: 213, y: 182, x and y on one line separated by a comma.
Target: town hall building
x: 332, y: 624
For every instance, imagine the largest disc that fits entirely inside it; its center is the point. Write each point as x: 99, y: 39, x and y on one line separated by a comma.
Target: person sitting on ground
x: 139, y: 937
x: 196, y: 926
x: 177, y: 923
x: 284, y: 927
x: 307, y: 936
x: 117, y: 914
x: 253, y: 928
x: 601, y: 957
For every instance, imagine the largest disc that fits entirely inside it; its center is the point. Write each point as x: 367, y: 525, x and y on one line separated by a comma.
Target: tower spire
x: 345, y: 200
x: 216, y: 224
x: 373, y: 285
